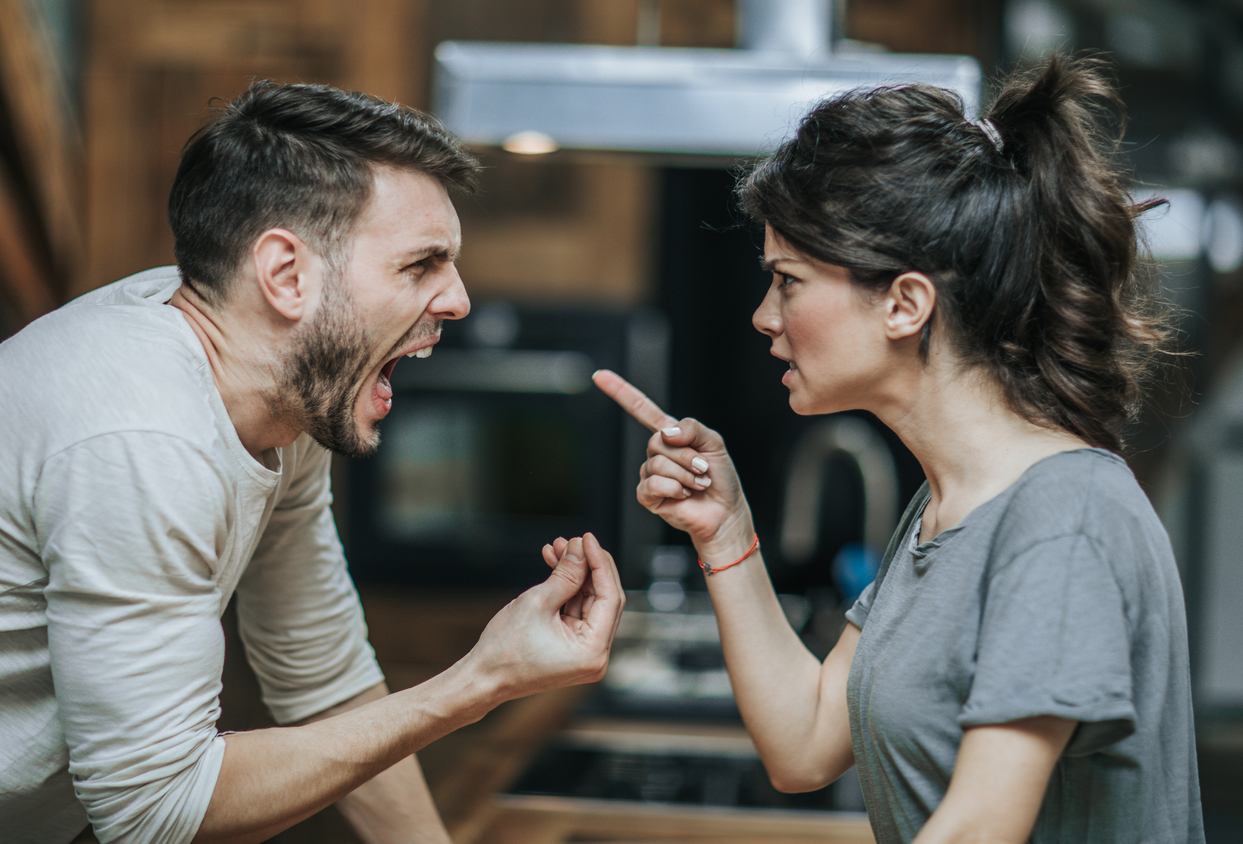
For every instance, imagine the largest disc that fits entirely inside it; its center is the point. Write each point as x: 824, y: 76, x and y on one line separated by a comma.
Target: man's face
x: 397, y: 283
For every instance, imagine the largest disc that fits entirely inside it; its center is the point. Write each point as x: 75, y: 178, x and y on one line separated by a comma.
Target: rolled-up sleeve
x: 298, y: 611
x: 1054, y: 640
x: 130, y: 528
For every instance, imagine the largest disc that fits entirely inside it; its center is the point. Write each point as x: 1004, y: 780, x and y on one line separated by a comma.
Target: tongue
x: 383, y: 389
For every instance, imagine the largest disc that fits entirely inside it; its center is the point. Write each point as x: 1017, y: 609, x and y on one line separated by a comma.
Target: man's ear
x: 909, y: 304
x: 285, y: 273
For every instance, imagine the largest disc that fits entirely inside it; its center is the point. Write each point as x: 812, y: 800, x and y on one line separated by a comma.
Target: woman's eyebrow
x: 769, y: 265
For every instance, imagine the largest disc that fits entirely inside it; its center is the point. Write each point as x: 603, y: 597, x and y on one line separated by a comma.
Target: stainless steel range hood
x: 664, y: 100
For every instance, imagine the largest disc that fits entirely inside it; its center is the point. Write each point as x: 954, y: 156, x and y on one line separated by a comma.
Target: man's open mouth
x: 386, y: 373
x: 384, y: 384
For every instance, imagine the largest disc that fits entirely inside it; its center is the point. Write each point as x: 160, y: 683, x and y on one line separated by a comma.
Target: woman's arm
x: 794, y: 706
x: 999, y: 782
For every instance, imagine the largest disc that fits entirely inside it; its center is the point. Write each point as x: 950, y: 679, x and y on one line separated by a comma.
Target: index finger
x: 632, y: 400
x: 606, y: 583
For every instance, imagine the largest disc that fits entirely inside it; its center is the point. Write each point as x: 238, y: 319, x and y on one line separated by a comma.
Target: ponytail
x: 1021, y: 220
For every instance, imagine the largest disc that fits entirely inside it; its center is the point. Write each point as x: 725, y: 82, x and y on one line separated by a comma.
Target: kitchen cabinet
x: 551, y: 820
x: 633, y: 750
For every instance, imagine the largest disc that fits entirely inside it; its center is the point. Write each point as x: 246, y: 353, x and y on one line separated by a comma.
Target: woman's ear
x: 909, y: 303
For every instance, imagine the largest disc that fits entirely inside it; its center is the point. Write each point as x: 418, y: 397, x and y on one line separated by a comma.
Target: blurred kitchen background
x: 605, y: 236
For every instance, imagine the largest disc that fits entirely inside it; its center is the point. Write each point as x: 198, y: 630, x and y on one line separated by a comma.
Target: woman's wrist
x: 730, y: 544
x: 710, y: 570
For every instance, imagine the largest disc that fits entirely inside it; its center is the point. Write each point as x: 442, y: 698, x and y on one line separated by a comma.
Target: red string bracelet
x: 754, y: 547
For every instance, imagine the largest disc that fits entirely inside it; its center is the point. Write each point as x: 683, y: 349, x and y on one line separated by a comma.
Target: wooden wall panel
x: 587, y: 235
x: 39, y: 177
x: 26, y: 289
x: 153, y: 65
x: 924, y: 26
x: 697, y: 23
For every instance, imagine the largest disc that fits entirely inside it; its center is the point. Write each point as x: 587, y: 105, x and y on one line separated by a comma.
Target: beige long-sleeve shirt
x: 130, y: 513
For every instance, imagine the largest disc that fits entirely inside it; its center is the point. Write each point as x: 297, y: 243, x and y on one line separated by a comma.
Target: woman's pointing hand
x: 688, y: 478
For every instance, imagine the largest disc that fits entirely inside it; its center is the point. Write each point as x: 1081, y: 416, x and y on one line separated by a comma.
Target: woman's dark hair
x: 301, y: 157
x: 1022, y: 222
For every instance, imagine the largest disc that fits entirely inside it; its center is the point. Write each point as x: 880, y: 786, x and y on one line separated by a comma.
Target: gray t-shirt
x: 1058, y: 597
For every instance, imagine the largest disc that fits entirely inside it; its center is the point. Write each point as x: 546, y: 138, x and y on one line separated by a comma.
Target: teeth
x: 425, y: 352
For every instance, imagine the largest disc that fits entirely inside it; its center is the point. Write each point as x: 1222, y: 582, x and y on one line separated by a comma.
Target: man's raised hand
x: 558, y: 633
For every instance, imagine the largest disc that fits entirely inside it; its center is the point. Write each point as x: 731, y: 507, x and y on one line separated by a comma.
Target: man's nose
x: 452, y: 302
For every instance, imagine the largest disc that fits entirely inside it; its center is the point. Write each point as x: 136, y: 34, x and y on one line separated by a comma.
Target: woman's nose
x: 767, y: 317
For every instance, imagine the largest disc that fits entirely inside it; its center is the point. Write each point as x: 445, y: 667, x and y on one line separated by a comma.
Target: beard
x: 323, y: 375
x: 328, y: 366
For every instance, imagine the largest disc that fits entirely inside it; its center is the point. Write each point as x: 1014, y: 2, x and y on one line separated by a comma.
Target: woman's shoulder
x: 1089, y: 493
x: 1068, y: 479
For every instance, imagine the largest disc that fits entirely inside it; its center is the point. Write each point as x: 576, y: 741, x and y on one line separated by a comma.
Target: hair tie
x: 989, y: 128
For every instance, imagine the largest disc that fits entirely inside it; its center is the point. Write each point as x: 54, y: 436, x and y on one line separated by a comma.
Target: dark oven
x: 499, y: 442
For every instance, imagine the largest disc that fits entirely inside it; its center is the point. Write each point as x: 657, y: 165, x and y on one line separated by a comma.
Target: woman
x: 1019, y: 668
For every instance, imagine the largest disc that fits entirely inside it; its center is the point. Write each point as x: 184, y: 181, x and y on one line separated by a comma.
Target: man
x: 163, y: 446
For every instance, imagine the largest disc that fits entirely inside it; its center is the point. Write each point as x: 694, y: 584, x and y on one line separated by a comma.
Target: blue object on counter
x: 854, y: 569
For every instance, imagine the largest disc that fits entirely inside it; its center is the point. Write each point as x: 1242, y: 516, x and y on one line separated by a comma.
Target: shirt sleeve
x: 858, y: 612
x: 1054, y: 640
x: 298, y: 611
x: 130, y: 527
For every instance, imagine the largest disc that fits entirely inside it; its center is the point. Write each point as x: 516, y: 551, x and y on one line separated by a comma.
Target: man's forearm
x: 271, y: 779
x: 394, y: 806
x: 553, y: 635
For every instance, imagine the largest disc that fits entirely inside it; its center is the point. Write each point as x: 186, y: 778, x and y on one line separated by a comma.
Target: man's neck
x: 244, y: 369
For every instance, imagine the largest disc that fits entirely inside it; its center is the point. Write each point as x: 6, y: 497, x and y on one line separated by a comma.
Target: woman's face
x: 828, y: 329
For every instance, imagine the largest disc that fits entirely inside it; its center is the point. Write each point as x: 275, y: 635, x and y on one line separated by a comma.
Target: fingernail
x: 702, y: 482
x: 671, y: 432
x: 699, y: 464
x: 574, y: 552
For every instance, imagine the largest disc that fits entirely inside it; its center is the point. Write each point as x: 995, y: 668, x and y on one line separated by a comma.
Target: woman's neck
x: 971, y: 444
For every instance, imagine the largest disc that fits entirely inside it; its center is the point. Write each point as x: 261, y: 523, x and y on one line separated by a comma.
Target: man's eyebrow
x: 438, y: 250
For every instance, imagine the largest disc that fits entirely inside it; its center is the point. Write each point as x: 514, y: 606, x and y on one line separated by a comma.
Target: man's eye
x: 785, y: 280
